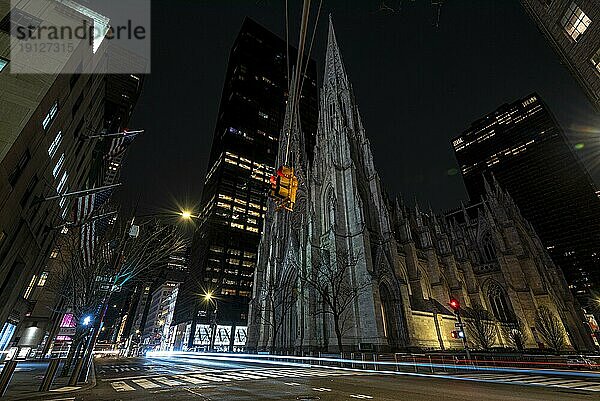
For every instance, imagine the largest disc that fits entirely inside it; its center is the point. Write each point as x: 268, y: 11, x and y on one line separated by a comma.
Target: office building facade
x: 526, y: 150
x: 242, y: 158
x: 572, y: 27
x: 44, y: 152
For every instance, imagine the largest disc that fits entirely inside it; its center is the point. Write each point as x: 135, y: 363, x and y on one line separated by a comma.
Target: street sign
x: 460, y: 325
x: 66, y: 331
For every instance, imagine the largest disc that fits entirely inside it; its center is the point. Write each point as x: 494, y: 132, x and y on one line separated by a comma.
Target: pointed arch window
x: 487, y: 248
x: 329, y: 210
x: 499, y: 303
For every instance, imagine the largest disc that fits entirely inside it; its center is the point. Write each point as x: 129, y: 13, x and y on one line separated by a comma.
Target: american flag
x: 89, y: 203
x: 119, y: 145
x: 88, y: 242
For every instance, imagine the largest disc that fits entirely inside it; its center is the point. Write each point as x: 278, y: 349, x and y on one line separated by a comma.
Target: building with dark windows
x: 572, y: 27
x: 44, y: 152
x: 242, y: 159
x: 526, y: 150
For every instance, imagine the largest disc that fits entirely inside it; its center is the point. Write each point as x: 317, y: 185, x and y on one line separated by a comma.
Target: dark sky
x: 417, y: 87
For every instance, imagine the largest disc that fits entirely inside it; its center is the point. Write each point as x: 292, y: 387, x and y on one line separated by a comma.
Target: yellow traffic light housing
x: 284, y: 186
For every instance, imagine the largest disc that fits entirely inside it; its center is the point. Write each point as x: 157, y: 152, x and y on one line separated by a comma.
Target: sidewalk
x: 28, y: 378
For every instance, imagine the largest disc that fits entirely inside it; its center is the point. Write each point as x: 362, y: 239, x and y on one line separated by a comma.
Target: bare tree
x: 514, y: 332
x: 550, y: 328
x: 83, y: 281
x: 276, y: 299
x: 335, y: 284
x: 481, y: 327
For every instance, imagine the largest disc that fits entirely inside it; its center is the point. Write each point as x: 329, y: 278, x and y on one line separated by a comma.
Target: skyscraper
x: 45, y: 152
x: 524, y: 147
x: 242, y: 158
x: 573, y: 30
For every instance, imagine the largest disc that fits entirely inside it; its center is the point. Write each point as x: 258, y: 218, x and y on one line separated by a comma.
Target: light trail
x: 306, y: 361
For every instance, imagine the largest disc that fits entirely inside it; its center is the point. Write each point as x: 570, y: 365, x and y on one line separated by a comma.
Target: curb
x: 46, y: 395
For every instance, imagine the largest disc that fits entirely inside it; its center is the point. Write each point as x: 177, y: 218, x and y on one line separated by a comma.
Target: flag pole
x: 82, y: 192
x: 91, y: 219
x: 116, y: 134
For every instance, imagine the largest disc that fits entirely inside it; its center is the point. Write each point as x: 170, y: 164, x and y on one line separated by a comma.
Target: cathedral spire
x: 335, y: 72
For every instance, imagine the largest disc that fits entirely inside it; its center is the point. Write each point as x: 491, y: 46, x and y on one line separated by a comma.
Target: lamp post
x: 210, y: 298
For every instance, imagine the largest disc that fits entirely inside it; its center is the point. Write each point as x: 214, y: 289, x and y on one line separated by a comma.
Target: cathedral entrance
x: 390, y: 317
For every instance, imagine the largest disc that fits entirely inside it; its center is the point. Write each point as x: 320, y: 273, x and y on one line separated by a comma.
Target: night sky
x: 417, y: 87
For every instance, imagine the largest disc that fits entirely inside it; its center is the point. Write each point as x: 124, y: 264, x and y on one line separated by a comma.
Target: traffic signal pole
x: 464, y: 336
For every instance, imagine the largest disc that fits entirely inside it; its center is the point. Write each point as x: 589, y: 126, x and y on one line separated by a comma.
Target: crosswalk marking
x: 548, y: 381
x: 121, y: 386
x: 145, y: 383
x: 210, y: 378
x: 191, y: 379
x: 168, y: 382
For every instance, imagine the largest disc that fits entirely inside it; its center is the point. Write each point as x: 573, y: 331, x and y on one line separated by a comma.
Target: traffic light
x: 456, y: 334
x: 284, y: 186
x: 454, y: 304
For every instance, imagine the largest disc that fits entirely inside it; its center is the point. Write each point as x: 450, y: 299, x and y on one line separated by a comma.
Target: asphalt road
x: 209, y: 380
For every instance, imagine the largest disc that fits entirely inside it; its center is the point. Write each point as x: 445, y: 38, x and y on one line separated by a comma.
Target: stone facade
x: 406, y: 262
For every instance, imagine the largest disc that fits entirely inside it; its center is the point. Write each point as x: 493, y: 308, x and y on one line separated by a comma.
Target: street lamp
x: 187, y: 215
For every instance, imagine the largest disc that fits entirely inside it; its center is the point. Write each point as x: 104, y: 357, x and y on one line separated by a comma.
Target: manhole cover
x: 308, y: 397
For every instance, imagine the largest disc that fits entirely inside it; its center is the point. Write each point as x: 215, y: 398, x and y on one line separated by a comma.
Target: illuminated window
x: 3, y: 63
x: 58, y: 165
x: 575, y: 21
x: 62, y: 182
x: 236, y: 225
x: 50, y: 116
x: 30, y: 287
x: 596, y: 60
x: 263, y: 115
x: 252, y: 229
x: 43, y: 278
x: 55, y: 144
x: 218, y: 249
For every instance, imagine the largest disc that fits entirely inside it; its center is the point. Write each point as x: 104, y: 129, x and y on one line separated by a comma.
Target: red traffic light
x: 454, y: 304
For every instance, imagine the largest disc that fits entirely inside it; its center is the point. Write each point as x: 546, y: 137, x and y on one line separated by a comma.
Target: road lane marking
x: 361, y: 396
x: 121, y: 386
x: 66, y: 388
x: 291, y: 384
x: 145, y: 383
x: 321, y: 389
x: 168, y: 382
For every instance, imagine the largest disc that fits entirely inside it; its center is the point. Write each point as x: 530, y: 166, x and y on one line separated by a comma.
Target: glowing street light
x: 87, y: 320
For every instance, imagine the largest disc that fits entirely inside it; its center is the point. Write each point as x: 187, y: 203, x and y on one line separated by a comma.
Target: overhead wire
x: 301, y: 70
x: 299, y: 59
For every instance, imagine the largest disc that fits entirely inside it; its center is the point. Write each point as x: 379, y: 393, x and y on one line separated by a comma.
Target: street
x: 183, y: 378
